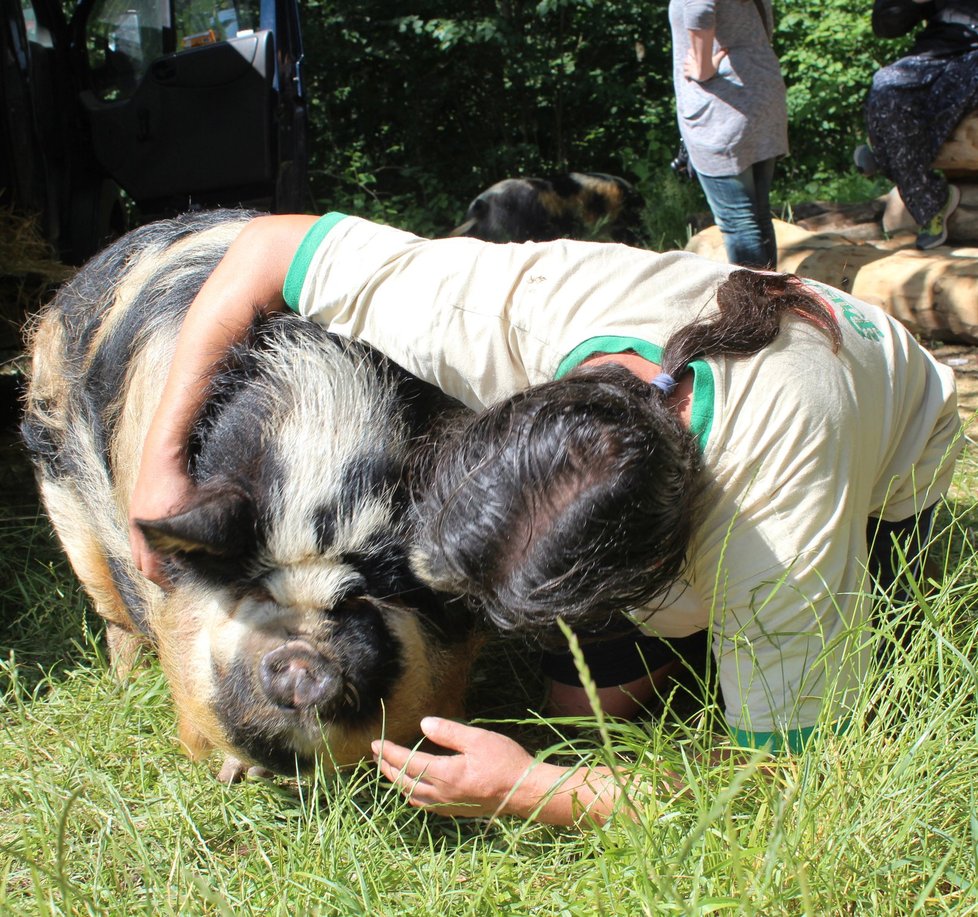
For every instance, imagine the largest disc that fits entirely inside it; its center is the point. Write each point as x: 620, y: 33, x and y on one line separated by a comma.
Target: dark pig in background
x: 575, y: 205
x: 295, y: 629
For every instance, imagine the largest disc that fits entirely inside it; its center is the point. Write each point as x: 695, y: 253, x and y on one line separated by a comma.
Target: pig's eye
x: 349, y: 606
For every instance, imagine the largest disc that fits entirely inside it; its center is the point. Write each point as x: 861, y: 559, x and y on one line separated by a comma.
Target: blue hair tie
x: 665, y: 383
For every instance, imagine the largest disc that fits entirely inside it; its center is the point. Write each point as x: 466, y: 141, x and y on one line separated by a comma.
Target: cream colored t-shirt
x: 801, y: 445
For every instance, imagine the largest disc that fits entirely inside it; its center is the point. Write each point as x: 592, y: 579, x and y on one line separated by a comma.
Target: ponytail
x: 751, y: 306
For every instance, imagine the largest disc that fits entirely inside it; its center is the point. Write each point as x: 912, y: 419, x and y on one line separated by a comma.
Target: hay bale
x: 25, y: 252
x: 29, y: 272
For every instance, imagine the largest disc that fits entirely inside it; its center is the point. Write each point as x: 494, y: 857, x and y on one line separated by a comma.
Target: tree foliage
x: 828, y: 55
x: 416, y: 107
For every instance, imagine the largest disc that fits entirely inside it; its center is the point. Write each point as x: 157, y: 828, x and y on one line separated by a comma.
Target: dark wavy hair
x: 577, y: 498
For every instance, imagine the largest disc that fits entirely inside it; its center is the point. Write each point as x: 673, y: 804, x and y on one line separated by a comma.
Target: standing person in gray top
x: 730, y: 101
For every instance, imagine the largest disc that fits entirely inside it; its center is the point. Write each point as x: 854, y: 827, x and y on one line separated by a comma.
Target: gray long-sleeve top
x: 739, y: 116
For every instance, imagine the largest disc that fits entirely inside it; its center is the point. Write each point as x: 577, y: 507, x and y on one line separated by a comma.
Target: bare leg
x: 624, y: 701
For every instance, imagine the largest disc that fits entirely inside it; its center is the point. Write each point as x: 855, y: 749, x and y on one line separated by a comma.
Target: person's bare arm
x: 247, y: 282
x: 701, y: 63
x: 492, y: 775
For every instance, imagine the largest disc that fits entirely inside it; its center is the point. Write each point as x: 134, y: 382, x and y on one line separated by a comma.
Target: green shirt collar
x: 704, y: 387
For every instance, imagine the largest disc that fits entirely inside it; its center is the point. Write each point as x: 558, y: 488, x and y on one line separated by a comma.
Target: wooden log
x: 959, y: 154
x: 855, y: 221
x: 934, y: 293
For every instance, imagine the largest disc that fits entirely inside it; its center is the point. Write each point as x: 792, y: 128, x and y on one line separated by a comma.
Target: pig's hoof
x: 234, y: 770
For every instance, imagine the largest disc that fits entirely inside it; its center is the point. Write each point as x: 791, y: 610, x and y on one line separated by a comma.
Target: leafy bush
x: 828, y: 56
x: 416, y: 108
x: 430, y: 106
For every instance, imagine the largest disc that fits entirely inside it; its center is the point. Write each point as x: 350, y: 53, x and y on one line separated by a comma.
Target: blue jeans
x: 742, y: 210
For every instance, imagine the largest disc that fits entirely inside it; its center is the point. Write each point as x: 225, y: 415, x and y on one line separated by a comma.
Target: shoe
x: 934, y: 231
x: 864, y: 159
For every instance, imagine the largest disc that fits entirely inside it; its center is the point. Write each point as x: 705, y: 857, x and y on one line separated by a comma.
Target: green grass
x: 100, y: 813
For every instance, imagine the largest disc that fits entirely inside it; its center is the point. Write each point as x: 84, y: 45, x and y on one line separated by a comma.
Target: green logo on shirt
x: 863, y: 326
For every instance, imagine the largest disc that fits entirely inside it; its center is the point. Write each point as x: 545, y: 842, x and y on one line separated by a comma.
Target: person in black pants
x: 916, y: 102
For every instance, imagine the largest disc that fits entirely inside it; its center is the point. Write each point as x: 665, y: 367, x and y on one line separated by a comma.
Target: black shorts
x: 619, y: 658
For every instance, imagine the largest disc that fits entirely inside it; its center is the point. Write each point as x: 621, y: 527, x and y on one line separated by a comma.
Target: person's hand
x: 699, y: 70
x: 486, y: 777
x: 161, y: 490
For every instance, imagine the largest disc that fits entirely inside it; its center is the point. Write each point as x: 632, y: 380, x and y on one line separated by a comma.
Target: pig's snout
x: 297, y: 677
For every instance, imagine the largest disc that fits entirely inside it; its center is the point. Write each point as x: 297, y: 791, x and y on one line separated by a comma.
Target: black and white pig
x: 295, y: 629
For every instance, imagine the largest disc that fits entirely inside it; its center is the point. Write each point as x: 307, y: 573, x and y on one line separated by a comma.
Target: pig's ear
x: 220, y: 525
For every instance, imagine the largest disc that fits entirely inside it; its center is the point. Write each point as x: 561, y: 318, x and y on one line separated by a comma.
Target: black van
x: 176, y: 103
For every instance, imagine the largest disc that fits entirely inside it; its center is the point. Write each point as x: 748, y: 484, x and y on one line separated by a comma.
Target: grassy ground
x: 100, y: 813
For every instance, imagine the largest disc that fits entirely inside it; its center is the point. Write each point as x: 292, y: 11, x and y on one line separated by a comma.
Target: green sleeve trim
x: 704, y: 386
x: 792, y: 740
x: 296, y: 277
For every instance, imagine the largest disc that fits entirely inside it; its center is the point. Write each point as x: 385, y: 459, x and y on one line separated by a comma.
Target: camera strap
x: 763, y: 14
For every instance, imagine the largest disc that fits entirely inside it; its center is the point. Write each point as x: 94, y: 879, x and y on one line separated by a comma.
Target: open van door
x: 194, y: 102
x: 178, y: 103
x: 36, y: 111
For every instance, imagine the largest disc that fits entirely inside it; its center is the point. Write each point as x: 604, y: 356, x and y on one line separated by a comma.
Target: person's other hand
x: 701, y: 71
x: 486, y: 777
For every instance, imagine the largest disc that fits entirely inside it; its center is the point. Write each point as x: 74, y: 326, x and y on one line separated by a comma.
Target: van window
x: 201, y: 22
x: 36, y: 31
x: 124, y: 37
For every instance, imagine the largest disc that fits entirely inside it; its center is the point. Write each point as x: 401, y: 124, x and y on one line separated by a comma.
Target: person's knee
x: 734, y: 207
x: 740, y: 221
x: 625, y: 701
x: 741, y: 230
x: 881, y: 82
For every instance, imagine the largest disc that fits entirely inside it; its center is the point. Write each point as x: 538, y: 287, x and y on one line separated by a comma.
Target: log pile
x: 959, y: 155
x: 868, y: 250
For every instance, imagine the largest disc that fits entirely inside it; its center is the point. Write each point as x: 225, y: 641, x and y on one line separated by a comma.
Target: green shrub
x: 415, y: 109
